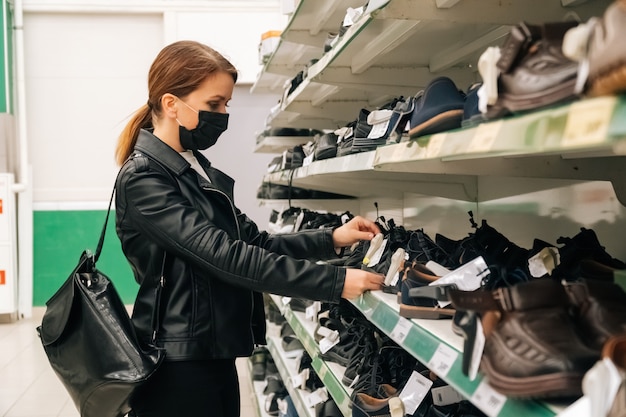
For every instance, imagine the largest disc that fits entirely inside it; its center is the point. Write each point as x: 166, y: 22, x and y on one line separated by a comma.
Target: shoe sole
x: 554, y: 95
x: 447, y: 120
x: 415, y: 312
x: 561, y: 384
x: 609, y: 82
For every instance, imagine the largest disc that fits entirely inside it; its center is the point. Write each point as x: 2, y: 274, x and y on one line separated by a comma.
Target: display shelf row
x: 433, y: 343
x: 580, y: 141
x: 258, y: 397
x: 376, y: 57
x: 329, y: 373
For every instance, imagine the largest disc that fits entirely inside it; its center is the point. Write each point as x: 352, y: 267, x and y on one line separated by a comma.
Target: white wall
x: 86, y: 73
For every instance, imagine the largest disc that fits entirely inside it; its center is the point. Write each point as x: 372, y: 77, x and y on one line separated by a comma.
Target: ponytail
x: 127, y: 139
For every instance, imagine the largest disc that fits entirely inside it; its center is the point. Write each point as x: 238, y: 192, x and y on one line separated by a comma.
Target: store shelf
x: 398, y: 46
x: 330, y: 373
x: 581, y: 141
x: 433, y: 343
x: 301, y: 41
x: 279, y: 144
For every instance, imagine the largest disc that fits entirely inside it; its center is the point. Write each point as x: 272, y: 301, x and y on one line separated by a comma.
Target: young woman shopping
x: 175, y: 213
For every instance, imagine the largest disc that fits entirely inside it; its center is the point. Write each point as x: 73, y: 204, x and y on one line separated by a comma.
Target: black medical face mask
x: 210, y: 126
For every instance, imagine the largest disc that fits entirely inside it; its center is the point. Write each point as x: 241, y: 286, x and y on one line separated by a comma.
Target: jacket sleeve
x: 305, y: 244
x: 155, y: 207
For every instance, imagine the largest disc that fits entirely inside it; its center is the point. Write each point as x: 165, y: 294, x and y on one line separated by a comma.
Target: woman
x: 175, y: 214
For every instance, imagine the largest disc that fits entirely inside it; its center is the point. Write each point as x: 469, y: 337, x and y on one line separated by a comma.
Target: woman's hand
x: 355, y: 230
x: 358, y: 281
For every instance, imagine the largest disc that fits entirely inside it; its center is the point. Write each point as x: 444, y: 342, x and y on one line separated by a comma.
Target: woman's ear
x: 168, y: 104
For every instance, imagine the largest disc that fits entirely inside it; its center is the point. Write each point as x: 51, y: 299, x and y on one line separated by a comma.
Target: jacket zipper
x: 211, y: 189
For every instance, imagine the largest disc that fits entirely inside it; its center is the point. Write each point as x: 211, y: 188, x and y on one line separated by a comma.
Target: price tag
x: 435, y: 143
x: 485, y: 136
x: 327, y: 343
x: 307, y: 160
x: 487, y: 399
x: 414, y: 392
x: 588, y: 121
x: 378, y: 130
x: 442, y: 360
x: 286, y: 300
x: 312, y: 310
x: 299, y: 381
x: 318, y: 396
x: 373, y: 261
x: 544, y: 262
x: 401, y: 330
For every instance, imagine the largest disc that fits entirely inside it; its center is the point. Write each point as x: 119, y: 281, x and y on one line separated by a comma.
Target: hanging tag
x: 328, y: 333
x: 318, y: 396
x: 397, y: 260
x: 439, y: 270
x: 445, y: 395
x: 477, y: 350
x: 299, y: 381
x: 466, y: 278
x: 414, y: 392
x: 308, y: 159
x: 378, y: 130
x: 375, y: 244
x: 327, y: 343
x: 286, y: 300
x: 312, y: 310
x: 544, y: 262
x: 601, y: 384
x: 375, y: 259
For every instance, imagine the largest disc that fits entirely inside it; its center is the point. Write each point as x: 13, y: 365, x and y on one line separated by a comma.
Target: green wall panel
x: 61, y: 236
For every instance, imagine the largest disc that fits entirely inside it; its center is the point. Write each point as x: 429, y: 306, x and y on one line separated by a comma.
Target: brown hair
x: 178, y: 69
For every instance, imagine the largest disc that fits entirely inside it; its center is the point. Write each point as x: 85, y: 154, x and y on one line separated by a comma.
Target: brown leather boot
x: 599, y: 309
x: 532, y: 348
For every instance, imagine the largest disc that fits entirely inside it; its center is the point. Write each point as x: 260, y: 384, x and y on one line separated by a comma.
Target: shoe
x: 416, y: 275
x: 292, y: 346
x: 472, y: 115
x: 421, y: 248
x: 607, y: 52
x: 532, y: 348
x: 438, y: 109
x: 400, y: 119
x: 364, y: 405
x: 534, y: 72
x: 259, y: 360
x: 326, y: 146
x: 328, y: 409
x: 599, y: 308
x: 582, y: 256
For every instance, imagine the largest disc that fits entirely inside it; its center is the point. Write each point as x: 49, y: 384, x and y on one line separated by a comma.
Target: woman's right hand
x: 358, y: 281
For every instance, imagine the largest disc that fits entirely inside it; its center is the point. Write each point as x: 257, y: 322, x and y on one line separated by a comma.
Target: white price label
x: 414, y: 392
x: 318, y: 396
x: 487, y: 399
x: 401, y: 330
x: 442, y: 360
x: 312, y: 310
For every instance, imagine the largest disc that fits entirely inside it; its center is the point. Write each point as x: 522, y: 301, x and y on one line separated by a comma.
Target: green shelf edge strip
x: 423, y: 345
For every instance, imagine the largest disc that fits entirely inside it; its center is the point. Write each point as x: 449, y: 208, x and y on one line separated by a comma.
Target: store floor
x: 29, y: 387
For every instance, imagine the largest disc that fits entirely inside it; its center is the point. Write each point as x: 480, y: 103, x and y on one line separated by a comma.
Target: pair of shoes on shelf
x: 529, y: 71
x: 262, y: 364
x: 541, y: 336
x: 274, y: 391
x: 328, y: 408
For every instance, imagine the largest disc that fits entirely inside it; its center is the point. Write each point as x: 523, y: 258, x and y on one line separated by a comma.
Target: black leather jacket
x: 217, y: 260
